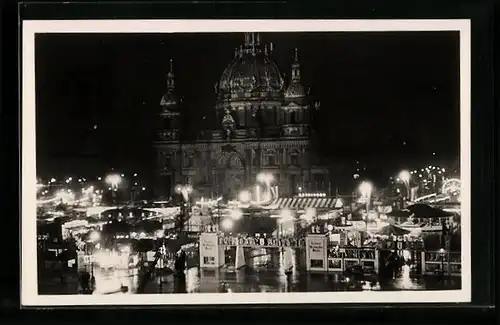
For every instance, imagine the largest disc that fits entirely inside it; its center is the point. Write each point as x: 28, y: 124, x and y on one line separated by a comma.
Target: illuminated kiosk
x: 212, y: 252
x: 316, y: 253
x: 212, y: 256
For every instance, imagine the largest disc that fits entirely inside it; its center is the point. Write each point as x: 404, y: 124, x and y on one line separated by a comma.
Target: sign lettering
x: 259, y: 241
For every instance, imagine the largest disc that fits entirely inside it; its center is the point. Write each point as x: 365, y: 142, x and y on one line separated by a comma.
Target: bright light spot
x: 366, y: 189
x: 135, y: 174
x: 266, y: 178
x: 99, y: 178
x: 227, y: 224
x: 122, y: 175
x: 286, y: 215
x: 95, y: 126
x: 406, y: 254
x: 329, y: 227
x: 113, y: 180
x: 143, y: 188
x: 236, y: 214
x: 53, y: 180
x: 245, y: 196
x: 125, y: 249
x: 95, y: 236
x: 405, y: 176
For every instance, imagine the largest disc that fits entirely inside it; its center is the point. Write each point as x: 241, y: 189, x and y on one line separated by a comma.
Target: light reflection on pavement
x: 110, y: 281
x: 219, y: 281
x: 270, y: 277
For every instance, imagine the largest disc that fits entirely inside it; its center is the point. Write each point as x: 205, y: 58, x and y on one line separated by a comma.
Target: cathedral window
x: 319, y: 182
x: 189, y: 159
x: 294, y: 158
x: 293, y: 182
x: 293, y: 118
x: 270, y: 158
x: 241, y: 116
x: 166, y: 123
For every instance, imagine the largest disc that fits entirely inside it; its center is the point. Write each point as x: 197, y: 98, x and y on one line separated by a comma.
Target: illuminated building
x: 263, y: 125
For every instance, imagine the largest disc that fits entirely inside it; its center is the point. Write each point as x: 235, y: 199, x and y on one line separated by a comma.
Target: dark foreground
x: 243, y: 280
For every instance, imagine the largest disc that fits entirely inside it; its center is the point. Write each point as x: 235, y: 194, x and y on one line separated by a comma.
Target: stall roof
x: 305, y: 203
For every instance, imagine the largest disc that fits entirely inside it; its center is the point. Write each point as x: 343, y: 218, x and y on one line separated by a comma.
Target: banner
x: 316, y: 253
x: 316, y: 248
x: 209, y: 250
x: 259, y: 241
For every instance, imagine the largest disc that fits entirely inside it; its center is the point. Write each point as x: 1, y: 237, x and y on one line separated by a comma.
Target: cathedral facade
x: 263, y: 125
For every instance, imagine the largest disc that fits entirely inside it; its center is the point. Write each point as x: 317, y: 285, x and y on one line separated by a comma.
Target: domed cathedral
x: 263, y: 124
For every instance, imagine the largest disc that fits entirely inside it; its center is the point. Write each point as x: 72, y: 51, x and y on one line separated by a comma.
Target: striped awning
x: 305, y: 203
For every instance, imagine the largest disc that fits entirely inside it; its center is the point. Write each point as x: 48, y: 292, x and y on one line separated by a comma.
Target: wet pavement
x: 264, y: 273
x: 219, y: 281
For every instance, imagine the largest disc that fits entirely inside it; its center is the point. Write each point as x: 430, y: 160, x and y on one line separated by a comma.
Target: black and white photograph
x: 235, y: 162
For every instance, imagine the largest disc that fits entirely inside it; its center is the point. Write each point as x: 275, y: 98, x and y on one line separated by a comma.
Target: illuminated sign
x: 261, y: 242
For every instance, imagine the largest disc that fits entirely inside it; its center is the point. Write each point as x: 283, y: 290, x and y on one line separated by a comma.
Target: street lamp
x: 236, y: 214
x: 285, y: 215
x: 442, y: 253
x: 405, y: 177
x: 365, y: 188
x: 185, y: 191
x: 227, y: 224
x: 95, y: 236
x: 245, y: 196
x: 265, y: 178
x: 114, y: 180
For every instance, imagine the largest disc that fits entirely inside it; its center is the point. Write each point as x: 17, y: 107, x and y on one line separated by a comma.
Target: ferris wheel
x: 452, y: 187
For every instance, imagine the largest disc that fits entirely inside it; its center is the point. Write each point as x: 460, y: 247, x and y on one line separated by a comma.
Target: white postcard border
x: 29, y: 287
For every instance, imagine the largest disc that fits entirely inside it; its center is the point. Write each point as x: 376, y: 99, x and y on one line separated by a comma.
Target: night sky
x: 388, y: 99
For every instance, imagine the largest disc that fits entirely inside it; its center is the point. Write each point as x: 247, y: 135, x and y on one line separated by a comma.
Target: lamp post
x: 365, y: 188
x: 227, y: 224
x: 184, y: 191
x: 244, y: 197
x: 114, y: 180
x: 94, y: 238
x: 286, y: 215
x: 266, y: 179
x: 442, y: 253
x: 405, y: 177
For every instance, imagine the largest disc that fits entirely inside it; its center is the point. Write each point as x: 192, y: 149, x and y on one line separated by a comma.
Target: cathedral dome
x: 252, y: 74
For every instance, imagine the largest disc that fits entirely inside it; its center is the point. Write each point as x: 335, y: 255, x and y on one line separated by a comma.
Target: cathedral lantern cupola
x: 295, y: 90
x: 170, y: 100
x: 170, y: 110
